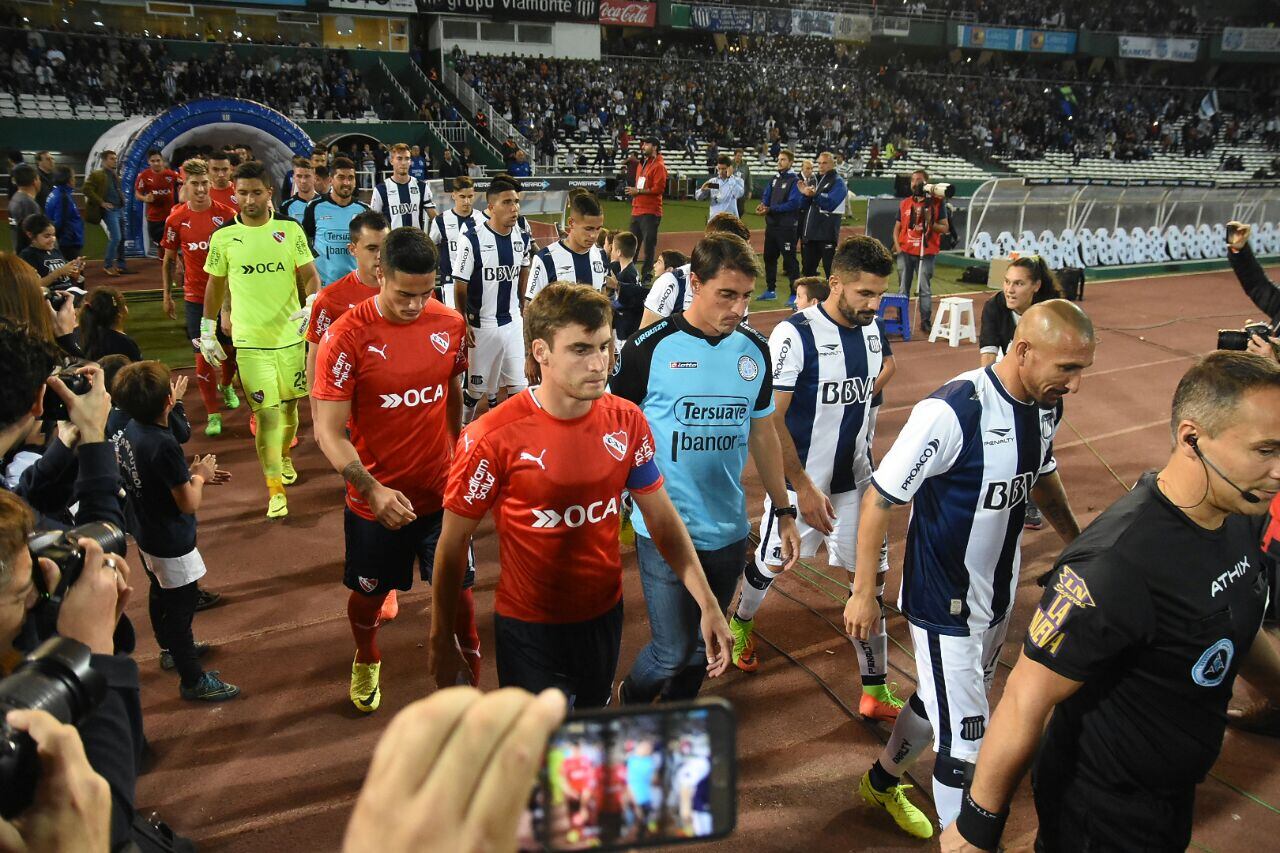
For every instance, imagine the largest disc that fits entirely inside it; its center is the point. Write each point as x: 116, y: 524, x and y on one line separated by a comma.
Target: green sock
x: 268, y: 440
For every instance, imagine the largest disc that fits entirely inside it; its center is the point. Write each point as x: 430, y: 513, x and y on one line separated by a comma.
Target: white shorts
x: 953, y: 677
x: 841, y: 542
x: 497, y: 359
x: 173, y: 572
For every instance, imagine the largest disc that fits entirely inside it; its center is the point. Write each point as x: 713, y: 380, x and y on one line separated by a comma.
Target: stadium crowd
x: 1004, y: 108
x: 144, y: 76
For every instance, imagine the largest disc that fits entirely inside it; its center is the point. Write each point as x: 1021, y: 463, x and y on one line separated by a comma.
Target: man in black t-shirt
x: 1145, y: 622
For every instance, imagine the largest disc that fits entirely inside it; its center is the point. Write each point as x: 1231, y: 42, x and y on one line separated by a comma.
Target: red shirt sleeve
x: 460, y: 362
x: 473, y: 476
x: 321, y: 319
x: 644, y: 477
x: 170, y: 239
x: 336, y: 367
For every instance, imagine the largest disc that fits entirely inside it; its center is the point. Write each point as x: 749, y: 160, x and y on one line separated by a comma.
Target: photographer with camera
x: 917, y: 239
x: 82, y: 411
x: 67, y: 582
x: 1261, y: 290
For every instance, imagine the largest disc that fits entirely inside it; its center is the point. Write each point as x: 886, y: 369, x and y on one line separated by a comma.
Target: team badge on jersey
x: 1211, y: 669
x: 278, y: 235
x: 1046, y: 424
x: 217, y: 220
x: 440, y: 340
x: 873, y: 343
x: 368, y: 584
x: 747, y: 368
x: 616, y: 444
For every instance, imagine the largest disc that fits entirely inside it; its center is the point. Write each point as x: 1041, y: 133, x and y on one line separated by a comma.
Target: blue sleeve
x: 53, y: 209
x: 829, y: 201
x: 98, y: 485
x: 644, y: 477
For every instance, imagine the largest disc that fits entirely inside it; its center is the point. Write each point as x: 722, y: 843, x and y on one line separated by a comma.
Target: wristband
x: 208, y: 327
x: 978, y: 826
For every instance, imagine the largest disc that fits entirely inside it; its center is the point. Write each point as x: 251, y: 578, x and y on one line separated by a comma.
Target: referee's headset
x: 1194, y: 441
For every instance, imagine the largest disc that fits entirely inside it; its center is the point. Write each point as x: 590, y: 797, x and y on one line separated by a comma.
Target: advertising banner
x: 853, y: 28
x: 1005, y: 38
x: 585, y: 11
x: 1167, y: 49
x: 1251, y: 39
x: 628, y: 13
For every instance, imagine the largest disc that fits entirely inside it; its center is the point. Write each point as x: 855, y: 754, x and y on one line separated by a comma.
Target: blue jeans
x: 111, y: 220
x: 675, y: 660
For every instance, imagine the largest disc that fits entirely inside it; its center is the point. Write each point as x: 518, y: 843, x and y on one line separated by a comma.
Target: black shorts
x: 580, y: 658
x: 155, y: 230
x: 193, y: 312
x: 379, y: 560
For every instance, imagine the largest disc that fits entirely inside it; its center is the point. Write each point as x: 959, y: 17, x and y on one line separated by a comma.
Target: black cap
x: 654, y: 141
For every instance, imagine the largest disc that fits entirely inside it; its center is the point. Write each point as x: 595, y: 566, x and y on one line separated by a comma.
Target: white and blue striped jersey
x: 968, y: 457
x: 671, y: 293
x: 558, y: 262
x: 447, y: 231
x: 829, y: 370
x: 403, y: 204
x: 489, y: 264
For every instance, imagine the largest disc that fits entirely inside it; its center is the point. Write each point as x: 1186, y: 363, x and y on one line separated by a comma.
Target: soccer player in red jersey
x: 157, y: 187
x: 551, y: 463
x: 221, y: 189
x: 368, y: 231
x: 187, y: 231
x: 389, y: 371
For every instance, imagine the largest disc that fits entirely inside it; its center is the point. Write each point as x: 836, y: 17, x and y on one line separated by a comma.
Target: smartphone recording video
x: 619, y: 779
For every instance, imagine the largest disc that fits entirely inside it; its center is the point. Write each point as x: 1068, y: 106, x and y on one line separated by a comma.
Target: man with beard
x: 830, y: 363
x: 327, y: 224
x: 646, y: 203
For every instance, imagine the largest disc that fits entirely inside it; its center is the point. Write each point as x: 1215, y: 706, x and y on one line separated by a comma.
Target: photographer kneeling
x: 112, y: 734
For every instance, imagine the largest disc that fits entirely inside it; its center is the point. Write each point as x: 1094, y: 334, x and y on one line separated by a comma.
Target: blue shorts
x: 379, y: 560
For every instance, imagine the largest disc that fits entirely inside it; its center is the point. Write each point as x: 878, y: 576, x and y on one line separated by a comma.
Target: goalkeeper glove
x: 303, y: 315
x: 209, y: 346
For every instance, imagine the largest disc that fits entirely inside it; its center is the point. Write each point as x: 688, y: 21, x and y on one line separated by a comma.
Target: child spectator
x: 102, y: 326
x: 628, y: 304
x: 164, y: 493
x: 44, y: 256
x: 810, y: 290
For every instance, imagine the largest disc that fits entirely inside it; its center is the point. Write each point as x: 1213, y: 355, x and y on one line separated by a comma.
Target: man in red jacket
x: 157, y: 188
x: 646, y: 202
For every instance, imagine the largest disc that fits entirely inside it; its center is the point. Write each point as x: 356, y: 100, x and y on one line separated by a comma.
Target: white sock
x: 873, y: 652
x: 911, y: 735
x: 756, y: 579
x: 469, y: 404
x: 946, y: 800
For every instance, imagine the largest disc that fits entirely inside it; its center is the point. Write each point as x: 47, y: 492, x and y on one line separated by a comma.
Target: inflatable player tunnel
x: 215, y: 122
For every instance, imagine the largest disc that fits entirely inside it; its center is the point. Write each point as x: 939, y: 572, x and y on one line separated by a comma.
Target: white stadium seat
x: 982, y: 247
x: 1027, y: 244
x: 1069, y: 249
x: 1208, y: 248
x: 1141, y: 248
x: 1122, y: 247
x: 1005, y: 244
x: 1049, y: 249
x: 1177, y: 246
x: 1191, y: 241
x: 1156, y: 244
x: 1105, y: 248
x: 1269, y: 238
x: 1088, y: 248
x: 1219, y: 240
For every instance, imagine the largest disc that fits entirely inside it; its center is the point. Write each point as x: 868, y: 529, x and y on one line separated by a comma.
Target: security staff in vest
x: 780, y: 206
x: 821, y: 225
x: 1145, y: 622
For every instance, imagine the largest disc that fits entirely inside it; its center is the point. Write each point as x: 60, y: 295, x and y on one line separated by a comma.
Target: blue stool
x: 902, y: 325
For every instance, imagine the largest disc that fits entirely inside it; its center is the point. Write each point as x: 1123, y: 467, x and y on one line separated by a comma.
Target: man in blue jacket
x: 780, y: 206
x: 61, y: 209
x: 821, y: 225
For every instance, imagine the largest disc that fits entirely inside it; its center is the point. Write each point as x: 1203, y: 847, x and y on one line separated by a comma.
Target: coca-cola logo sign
x: 628, y: 13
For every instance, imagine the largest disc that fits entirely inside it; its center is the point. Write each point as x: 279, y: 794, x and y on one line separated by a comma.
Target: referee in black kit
x: 1146, y: 621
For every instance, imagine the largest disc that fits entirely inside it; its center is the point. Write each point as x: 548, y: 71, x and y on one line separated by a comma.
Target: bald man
x: 969, y: 456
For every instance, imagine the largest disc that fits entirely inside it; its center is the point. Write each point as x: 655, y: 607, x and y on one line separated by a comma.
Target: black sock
x: 882, y: 780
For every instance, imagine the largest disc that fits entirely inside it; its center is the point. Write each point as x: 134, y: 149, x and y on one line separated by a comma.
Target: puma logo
x: 382, y: 350
x: 538, y: 459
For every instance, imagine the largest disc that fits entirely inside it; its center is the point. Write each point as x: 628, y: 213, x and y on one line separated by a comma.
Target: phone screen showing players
x: 633, y: 780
